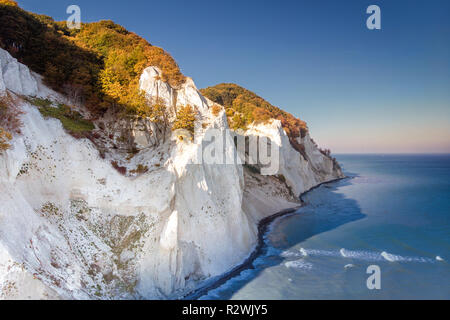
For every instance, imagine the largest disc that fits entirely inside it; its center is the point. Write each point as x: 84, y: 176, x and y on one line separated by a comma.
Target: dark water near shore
x: 394, y: 212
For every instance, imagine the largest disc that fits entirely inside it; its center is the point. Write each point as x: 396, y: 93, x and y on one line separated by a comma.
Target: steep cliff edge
x: 72, y: 226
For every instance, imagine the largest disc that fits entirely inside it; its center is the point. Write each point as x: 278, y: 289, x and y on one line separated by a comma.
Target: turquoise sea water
x: 393, y: 212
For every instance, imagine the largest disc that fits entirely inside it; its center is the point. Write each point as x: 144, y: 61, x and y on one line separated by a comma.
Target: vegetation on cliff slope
x: 98, y: 66
x: 244, y: 107
x: 9, y: 3
x: 9, y: 120
x: 5, y: 137
x: 71, y: 120
x: 185, y: 119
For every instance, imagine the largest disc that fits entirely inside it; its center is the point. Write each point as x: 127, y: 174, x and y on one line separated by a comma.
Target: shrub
x: 299, y: 147
x: 121, y: 170
x: 185, y: 119
x: 10, y: 114
x: 5, y: 136
x: 326, y: 152
x: 141, y: 169
x: 10, y: 122
x: 157, y: 112
x: 237, y: 121
x: 215, y: 110
x: 261, y: 115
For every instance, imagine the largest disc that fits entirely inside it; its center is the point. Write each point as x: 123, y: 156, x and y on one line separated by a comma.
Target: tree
x: 9, y: 3
x: 102, y: 60
x: 185, y: 119
x: 261, y: 115
x: 244, y: 107
x: 74, y: 92
x: 159, y: 114
x: 154, y: 110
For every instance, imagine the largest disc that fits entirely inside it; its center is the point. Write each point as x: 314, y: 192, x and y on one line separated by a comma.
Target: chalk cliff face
x: 301, y: 173
x: 73, y: 227
x: 15, y: 76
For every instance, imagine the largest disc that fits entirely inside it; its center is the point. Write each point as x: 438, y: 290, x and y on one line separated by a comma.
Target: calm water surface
x: 393, y: 212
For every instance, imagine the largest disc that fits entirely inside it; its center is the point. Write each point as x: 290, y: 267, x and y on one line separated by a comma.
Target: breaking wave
x: 356, y: 255
x: 299, y: 264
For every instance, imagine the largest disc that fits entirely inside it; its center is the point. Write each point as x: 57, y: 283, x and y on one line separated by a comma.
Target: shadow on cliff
x: 324, y: 209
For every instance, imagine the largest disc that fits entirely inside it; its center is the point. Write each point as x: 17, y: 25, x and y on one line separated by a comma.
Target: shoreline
x: 263, y: 226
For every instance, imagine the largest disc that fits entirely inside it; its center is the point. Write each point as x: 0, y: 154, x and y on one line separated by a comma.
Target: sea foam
x: 299, y: 264
x: 356, y: 255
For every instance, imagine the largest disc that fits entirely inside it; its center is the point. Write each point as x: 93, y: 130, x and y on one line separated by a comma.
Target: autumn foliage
x: 10, y: 114
x: 9, y: 120
x: 125, y: 55
x: 216, y: 109
x: 244, y: 107
x: 5, y: 136
x: 185, y: 119
x: 99, y: 65
x: 9, y: 3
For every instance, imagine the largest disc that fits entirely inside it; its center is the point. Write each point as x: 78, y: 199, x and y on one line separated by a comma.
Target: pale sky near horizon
x: 359, y: 90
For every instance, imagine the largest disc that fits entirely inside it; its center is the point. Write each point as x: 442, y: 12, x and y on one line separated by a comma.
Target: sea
x: 381, y: 233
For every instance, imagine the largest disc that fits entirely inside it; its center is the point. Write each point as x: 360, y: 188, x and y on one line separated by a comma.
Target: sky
x: 359, y: 90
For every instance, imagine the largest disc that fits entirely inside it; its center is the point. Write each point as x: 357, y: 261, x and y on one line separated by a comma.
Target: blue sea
x: 392, y: 212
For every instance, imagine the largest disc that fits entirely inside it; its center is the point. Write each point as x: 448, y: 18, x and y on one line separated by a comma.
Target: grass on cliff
x: 71, y: 120
x: 38, y: 102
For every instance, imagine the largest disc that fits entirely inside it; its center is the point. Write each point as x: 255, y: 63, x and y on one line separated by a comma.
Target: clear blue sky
x: 359, y: 90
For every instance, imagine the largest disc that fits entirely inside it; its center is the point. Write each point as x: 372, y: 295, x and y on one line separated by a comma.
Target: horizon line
x: 390, y: 153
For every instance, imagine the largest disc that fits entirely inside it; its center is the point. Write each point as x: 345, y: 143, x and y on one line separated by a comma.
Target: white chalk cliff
x: 73, y: 227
